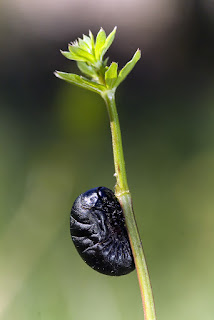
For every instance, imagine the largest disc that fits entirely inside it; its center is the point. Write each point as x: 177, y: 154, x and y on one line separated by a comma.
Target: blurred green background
x: 55, y: 144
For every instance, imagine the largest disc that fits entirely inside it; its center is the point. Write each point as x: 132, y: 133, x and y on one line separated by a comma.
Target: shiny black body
x: 99, y: 233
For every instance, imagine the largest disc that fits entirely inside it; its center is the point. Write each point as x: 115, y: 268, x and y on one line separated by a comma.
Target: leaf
x: 69, y: 55
x: 86, y: 69
x: 128, y: 68
x: 108, y: 41
x: 111, y: 75
x: 83, y: 45
x: 105, y: 62
x: 100, y: 41
x: 80, y: 81
x: 92, y: 40
x: 87, y: 40
x: 73, y: 56
x: 82, y: 54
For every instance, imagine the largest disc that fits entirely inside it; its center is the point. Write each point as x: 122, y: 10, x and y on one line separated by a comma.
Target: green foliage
x: 100, y: 41
x: 111, y: 75
x: 80, y: 81
x: 89, y: 55
x: 128, y: 68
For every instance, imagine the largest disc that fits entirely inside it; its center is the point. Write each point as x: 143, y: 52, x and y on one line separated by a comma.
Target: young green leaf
x: 92, y: 40
x: 87, y: 40
x: 86, y: 69
x: 100, y: 41
x: 73, y: 56
x: 105, y: 62
x: 108, y: 41
x: 111, y: 75
x: 83, y: 45
x: 69, y: 55
x: 80, y: 81
x: 128, y: 68
x: 82, y: 54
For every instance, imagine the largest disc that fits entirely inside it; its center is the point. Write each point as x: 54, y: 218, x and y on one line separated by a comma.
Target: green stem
x: 124, y: 196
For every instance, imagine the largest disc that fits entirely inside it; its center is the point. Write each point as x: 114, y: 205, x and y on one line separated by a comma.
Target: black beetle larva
x: 99, y: 233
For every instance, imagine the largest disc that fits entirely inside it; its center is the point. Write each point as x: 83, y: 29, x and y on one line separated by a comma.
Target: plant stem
x: 124, y: 196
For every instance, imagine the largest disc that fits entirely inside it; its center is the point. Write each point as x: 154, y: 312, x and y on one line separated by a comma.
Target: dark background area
x: 55, y: 143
